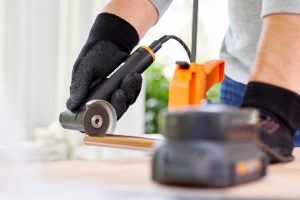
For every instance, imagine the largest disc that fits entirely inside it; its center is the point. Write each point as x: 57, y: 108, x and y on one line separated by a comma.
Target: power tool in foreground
x: 212, y: 146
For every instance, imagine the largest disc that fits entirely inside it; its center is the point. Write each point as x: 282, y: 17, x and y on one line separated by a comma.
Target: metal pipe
x: 194, y: 31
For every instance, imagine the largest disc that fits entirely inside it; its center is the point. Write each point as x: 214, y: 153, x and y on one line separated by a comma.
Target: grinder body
x: 96, y: 116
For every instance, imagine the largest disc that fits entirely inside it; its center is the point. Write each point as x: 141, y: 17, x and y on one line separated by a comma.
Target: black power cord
x: 156, y: 45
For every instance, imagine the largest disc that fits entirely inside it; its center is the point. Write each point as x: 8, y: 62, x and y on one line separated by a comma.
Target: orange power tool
x: 191, y: 82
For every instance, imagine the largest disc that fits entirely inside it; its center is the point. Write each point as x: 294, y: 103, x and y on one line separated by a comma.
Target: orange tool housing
x: 191, y: 82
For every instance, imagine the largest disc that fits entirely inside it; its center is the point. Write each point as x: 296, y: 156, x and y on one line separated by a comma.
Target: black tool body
x: 214, y: 146
x: 137, y: 62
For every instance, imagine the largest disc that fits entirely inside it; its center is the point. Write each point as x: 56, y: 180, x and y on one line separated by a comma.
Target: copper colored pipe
x: 121, y: 141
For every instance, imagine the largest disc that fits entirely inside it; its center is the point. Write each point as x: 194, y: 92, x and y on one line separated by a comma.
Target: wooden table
x: 132, y: 176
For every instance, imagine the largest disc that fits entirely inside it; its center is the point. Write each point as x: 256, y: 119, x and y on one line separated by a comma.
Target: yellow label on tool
x: 245, y: 167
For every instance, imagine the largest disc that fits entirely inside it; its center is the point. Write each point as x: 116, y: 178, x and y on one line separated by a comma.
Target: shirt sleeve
x: 270, y: 7
x: 161, y: 6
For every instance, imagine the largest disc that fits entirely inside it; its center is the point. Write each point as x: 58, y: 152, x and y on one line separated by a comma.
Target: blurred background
x: 39, y: 42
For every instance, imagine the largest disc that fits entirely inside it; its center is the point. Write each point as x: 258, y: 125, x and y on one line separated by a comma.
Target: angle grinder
x: 210, y: 146
x: 96, y: 116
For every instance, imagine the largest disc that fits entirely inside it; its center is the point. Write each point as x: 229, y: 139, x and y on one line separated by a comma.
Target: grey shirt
x: 240, y: 42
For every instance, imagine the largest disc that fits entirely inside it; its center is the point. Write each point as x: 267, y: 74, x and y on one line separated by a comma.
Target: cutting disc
x: 100, y: 118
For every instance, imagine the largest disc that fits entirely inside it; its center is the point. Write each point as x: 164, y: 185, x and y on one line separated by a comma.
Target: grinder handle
x: 137, y: 62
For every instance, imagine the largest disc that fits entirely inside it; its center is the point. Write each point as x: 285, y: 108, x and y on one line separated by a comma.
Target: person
x: 261, y: 50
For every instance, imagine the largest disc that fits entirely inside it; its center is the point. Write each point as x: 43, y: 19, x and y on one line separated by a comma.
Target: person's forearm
x: 141, y: 14
x: 278, y: 55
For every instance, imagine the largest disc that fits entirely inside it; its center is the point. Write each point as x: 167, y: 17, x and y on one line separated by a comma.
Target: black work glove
x: 129, y: 90
x: 280, y: 117
x: 110, y: 42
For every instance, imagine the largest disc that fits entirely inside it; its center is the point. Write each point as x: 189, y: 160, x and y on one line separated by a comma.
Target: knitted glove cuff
x: 276, y: 101
x: 110, y: 27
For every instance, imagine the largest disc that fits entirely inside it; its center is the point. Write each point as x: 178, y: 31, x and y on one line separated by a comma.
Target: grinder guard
x: 99, y: 117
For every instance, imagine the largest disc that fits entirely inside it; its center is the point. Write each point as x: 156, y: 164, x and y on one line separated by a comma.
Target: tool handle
x: 137, y: 62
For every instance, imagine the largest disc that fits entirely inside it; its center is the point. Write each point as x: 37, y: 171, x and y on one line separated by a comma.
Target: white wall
x: 40, y: 40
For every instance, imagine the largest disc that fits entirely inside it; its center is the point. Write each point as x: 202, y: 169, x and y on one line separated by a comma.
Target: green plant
x: 214, y: 92
x: 157, y: 86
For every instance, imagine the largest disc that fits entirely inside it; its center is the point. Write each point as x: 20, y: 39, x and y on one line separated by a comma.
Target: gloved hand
x: 280, y: 117
x: 127, y: 94
x: 110, y: 42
